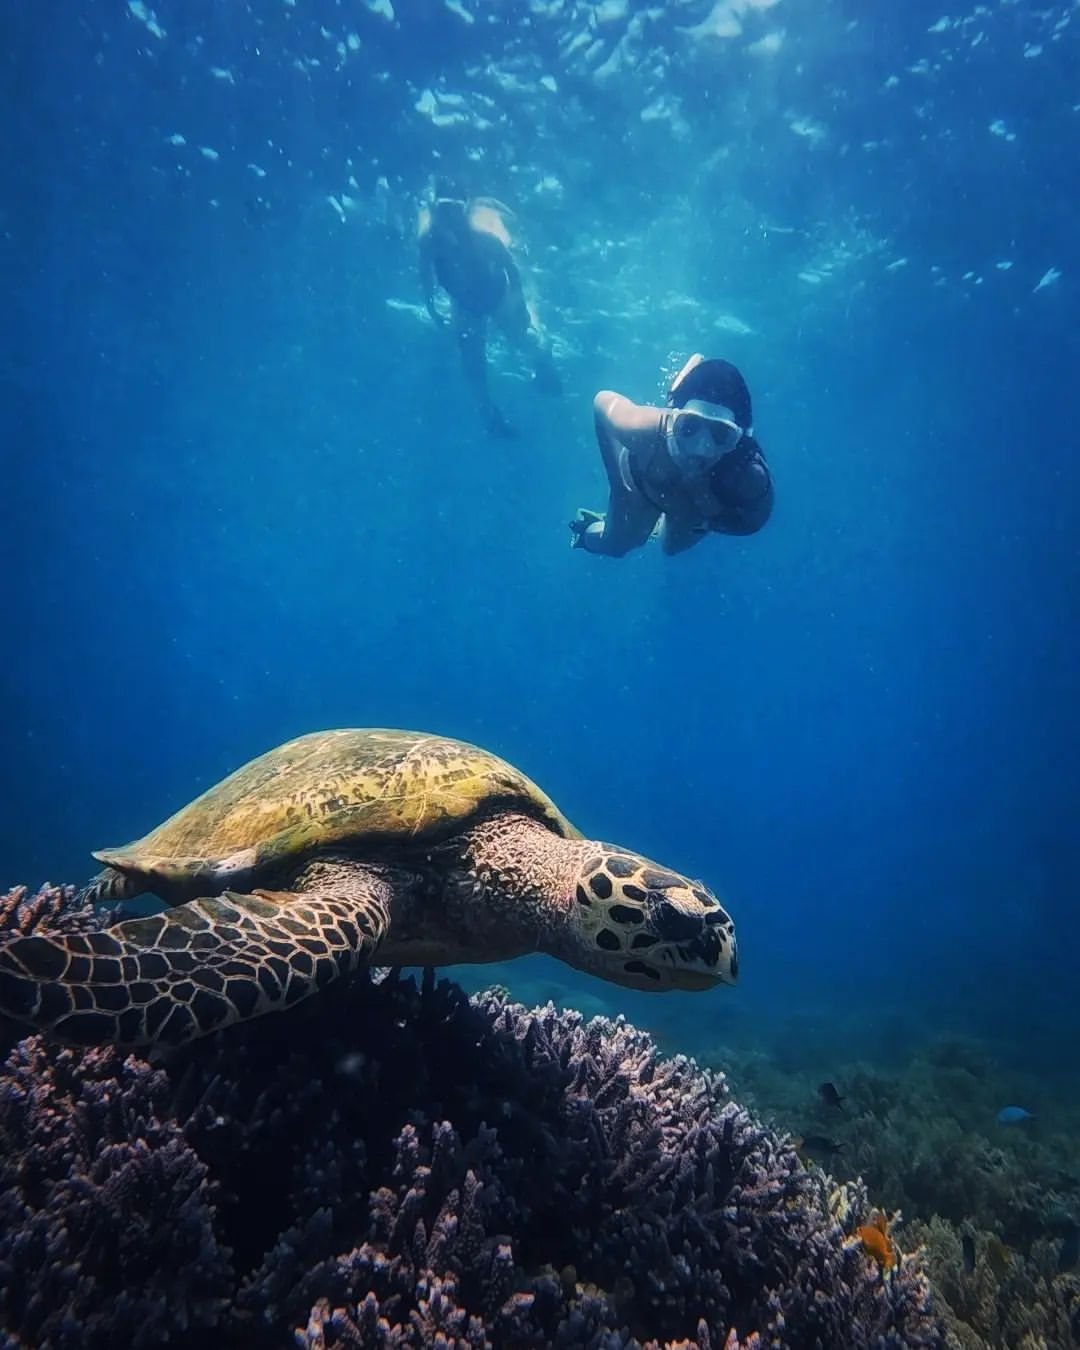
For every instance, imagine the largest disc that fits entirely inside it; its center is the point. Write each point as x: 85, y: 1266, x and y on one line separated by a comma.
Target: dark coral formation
x: 1007, y: 1298
x: 401, y: 1166
x: 106, y: 1213
x: 926, y: 1141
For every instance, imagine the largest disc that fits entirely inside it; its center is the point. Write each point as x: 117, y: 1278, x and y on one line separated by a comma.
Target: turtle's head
x: 637, y: 924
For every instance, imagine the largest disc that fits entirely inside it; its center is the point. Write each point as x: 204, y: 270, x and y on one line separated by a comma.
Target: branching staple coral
x: 55, y: 907
x: 401, y: 1166
x: 106, y: 1234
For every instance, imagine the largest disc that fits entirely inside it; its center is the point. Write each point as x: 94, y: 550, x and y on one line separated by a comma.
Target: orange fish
x: 876, y: 1241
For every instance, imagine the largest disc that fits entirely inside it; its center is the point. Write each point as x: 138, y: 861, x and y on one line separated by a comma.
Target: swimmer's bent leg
x: 471, y: 331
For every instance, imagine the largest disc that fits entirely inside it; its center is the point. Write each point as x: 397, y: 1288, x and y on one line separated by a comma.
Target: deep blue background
x: 244, y: 498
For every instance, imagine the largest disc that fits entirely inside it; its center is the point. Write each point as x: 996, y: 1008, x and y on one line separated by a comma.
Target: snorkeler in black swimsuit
x: 692, y: 467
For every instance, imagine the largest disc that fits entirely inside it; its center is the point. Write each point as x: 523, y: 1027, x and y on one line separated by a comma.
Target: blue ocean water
x: 247, y: 494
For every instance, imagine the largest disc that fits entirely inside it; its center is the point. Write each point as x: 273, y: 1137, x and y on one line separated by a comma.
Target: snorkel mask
x: 710, y: 413
x: 700, y: 433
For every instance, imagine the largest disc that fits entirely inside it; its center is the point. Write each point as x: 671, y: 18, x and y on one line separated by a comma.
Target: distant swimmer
x: 692, y: 468
x: 465, y: 248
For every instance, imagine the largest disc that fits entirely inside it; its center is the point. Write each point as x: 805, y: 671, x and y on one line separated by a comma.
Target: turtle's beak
x: 695, y: 983
x: 703, y: 962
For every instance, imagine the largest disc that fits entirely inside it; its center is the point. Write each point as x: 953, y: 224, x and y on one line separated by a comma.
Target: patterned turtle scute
x: 333, y: 790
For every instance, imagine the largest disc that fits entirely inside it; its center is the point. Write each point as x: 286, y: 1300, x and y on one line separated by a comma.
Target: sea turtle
x: 341, y: 847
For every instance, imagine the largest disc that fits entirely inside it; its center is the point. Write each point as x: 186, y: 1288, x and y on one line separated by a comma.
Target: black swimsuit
x: 739, y: 482
x: 475, y: 280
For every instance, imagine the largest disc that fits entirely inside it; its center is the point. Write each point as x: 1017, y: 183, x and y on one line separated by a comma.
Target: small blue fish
x: 1013, y: 1115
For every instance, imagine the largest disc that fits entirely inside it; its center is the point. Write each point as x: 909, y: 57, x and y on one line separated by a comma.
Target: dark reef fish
x: 967, y: 1246
x: 817, y: 1146
x: 1069, y: 1252
x: 829, y: 1095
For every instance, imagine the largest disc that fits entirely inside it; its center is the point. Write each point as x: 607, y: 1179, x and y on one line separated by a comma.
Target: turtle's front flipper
x: 111, y: 886
x: 194, y: 969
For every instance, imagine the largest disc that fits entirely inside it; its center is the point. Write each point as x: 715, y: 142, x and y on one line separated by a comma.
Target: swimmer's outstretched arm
x: 619, y: 421
x: 630, y: 518
x: 624, y: 419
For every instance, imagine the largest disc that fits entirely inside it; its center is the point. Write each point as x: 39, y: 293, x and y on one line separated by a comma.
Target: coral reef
x: 1007, y: 1298
x: 22, y: 912
x: 55, y: 907
x: 926, y: 1142
x: 106, y: 1213
x: 393, y: 1165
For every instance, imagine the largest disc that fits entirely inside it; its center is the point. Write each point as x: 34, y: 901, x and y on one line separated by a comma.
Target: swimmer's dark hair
x: 715, y: 381
x: 447, y: 189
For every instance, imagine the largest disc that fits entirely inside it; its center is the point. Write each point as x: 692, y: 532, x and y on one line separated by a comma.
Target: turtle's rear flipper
x: 194, y: 969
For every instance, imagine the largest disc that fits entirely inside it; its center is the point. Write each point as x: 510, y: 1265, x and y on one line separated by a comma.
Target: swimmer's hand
x: 439, y: 320
x: 579, y: 528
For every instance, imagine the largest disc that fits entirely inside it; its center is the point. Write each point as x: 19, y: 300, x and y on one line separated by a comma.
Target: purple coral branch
x: 399, y: 1166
